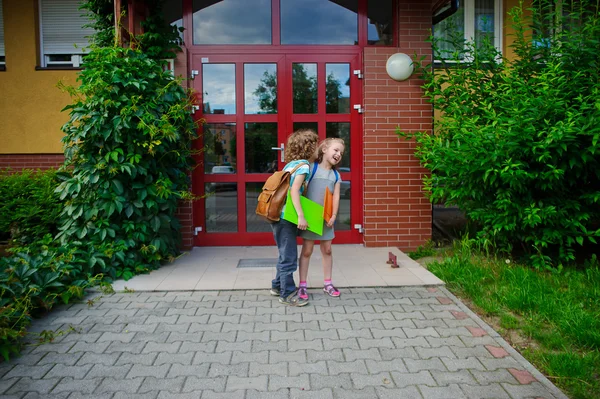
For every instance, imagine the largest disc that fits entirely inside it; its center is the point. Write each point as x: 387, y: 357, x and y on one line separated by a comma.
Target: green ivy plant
x: 128, y: 157
x: 517, y: 144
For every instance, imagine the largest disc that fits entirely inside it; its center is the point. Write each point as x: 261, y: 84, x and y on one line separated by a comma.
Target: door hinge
x: 195, y: 108
x: 358, y: 73
x: 194, y: 73
x: 359, y: 108
x: 359, y: 228
x: 197, y: 230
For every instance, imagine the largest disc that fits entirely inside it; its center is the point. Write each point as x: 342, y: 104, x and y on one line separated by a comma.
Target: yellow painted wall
x: 30, y: 102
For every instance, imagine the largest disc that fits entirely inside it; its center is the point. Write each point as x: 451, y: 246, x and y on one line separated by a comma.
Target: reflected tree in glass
x: 266, y: 93
x: 259, y: 139
x: 304, y: 90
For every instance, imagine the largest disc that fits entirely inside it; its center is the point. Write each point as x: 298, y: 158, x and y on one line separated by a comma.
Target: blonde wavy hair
x: 301, y: 145
x: 324, y: 145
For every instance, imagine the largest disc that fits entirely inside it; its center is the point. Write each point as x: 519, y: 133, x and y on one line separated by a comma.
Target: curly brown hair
x: 302, y: 144
x: 324, y: 145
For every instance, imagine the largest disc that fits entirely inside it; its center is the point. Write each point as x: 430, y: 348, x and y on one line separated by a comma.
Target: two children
x: 299, y: 151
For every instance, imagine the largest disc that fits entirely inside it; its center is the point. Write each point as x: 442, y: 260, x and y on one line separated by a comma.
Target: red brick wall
x: 396, y: 213
x: 19, y: 162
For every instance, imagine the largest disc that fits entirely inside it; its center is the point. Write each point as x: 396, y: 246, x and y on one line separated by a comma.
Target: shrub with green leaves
x: 128, y: 156
x: 29, y: 208
x: 517, y: 145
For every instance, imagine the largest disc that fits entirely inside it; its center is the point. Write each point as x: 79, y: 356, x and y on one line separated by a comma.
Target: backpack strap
x: 312, y: 173
x: 337, y: 175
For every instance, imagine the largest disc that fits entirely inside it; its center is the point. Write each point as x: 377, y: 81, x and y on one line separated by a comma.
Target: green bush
x: 517, y: 144
x: 128, y: 156
x: 30, y: 208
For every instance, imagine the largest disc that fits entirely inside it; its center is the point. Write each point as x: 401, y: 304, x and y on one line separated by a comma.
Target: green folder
x: 313, y: 213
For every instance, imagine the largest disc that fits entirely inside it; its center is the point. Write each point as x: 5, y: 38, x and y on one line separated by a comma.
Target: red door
x: 251, y: 103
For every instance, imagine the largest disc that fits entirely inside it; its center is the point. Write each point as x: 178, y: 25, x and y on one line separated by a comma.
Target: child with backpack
x: 300, y: 148
x: 323, y: 188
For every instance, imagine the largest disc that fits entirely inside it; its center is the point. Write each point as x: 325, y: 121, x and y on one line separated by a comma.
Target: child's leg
x: 285, y: 238
x: 305, y: 254
x: 327, y: 269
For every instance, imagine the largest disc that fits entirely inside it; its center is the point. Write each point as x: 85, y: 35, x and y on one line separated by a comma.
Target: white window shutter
x: 2, y: 54
x: 62, y: 27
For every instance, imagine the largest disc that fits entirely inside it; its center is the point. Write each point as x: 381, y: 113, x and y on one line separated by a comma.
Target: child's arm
x: 336, y: 204
x: 295, y: 194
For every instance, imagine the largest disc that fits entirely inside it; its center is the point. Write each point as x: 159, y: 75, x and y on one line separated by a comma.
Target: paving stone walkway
x: 405, y: 342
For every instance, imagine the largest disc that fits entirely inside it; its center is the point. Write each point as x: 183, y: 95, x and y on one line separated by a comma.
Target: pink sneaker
x: 302, y: 294
x: 330, y: 290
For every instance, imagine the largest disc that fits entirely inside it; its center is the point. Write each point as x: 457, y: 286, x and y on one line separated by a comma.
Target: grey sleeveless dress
x: 322, y: 179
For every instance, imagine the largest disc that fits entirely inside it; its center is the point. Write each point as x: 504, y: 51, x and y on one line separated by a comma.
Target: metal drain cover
x: 264, y: 262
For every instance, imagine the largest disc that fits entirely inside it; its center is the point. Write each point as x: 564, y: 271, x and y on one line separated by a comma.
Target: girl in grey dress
x: 323, y: 175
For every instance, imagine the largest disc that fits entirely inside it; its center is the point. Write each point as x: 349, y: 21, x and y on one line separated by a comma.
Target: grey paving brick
x: 395, y: 393
x: 69, y: 384
x: 199, y: 370
x: 259, y: 346
x: 442, y: 351
x: 214, y: 327
x: 492, y: 391
x: 358, y: 325
x: 357, y: 366
x: 500, y: 375
x: 27, y: 358
x: 391, y: 324
x: 279, y: 318
x: 278, y: 357
x: 245, y: 310
x: 162, y: 319
x: 22, y: 370
x: 326, y: 309
x: 455, y: 331
x: 247, y: 327
x: 119, y: 385
x: 156, y: 336
x: 388, y: 332
x: 353, y: 354
x: 146, y: 359
x: 250, y: 357
x: 401, y: 353
x: 102, y: 371
x: 244, y: 346
x: 477, y: 351
x: 266, y: 318
x: 216, y: 384
x: 308, y: 317
x: 328, y: 334
x: 366, y: 393
x: 139, y: 370
x: 296, y: 369
x: 271, y: 311
x: 121, y: 337
x: 270, y: 327
x: 200, y: 319
x: 183, y: 336
x: 143, y: 328
x: 207, y: 347
x: 28, y: 384
x: 535, y: 389
x: 449, y: 392
x: 75, y: 337
x: 361, y: 381
x: 254, y: 394
x: 333, y: 354
x: 384, y: 342
x: 318, y: 381
x: 235, y: 383
x: 445, y: 341
x: 408, y: 315
x: 461, y: 322
x: 6, y: 383
x: 420, y: 332
x: 503, y: 363
x: 414, y: 365
x: 438, y: 323
x: 410, y: 342
x: 479, y: 341
x: 208, y: 394
x: 325, y: 393
x: 181, y: 312
x: 295, y: 326
x: 201, y: 357
x: 257, y: 369
x: 67, y: 359
x: 378, y: 366
x: 315, y: 344
x: 288, y: 335
x: 57, y: 347
x: 174, y: 358
x: 218, y: 370
x: 112, y: 347
x: 172, y: 347
x: 221, y: 336
x: 450, y: 377
x: 277, y: 382
x: 329, y: 344
x: 349, y: 333
x: 470, y: 363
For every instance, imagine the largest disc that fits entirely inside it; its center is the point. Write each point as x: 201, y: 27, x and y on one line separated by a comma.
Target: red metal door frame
x: 284, y: 119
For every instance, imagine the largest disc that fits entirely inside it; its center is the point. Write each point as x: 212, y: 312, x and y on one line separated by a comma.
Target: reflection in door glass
x: 343, y: 221
x: 314, y: 126
x: 319, y: 22
x: 218, y: 88
x: 304, y: 87
x: 260, y: 88
x: 380, y: 15
x: 221, y: 207
x: 254, y: 223
x: 259, y: 139
x: 224, y: 22
x: 341, y: 130
x: 219, y: 148
x: 337, y: 88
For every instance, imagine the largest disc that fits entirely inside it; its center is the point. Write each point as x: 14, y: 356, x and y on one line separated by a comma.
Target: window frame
x: 3, y: 42
x: 469, y: 27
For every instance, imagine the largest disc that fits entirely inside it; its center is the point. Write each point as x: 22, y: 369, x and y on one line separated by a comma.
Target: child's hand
x: 331, y: 221
x: 302, y: 224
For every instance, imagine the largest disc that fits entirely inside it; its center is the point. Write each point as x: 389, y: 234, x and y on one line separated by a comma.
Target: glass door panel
x: 260, y: 88
x: 218, y: 84
x: 337, y: 88
x: 304, y: 88
x: 259, y: 139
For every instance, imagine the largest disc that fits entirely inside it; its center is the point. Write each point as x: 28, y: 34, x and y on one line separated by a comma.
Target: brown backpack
x: 274, y: 193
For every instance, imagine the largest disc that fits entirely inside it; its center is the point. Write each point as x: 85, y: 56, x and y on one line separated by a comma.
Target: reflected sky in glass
x: 218, y: 88
x: 338, y: 89
x: 319, y: 22
x: 232, y: 21
x: 260, y: 88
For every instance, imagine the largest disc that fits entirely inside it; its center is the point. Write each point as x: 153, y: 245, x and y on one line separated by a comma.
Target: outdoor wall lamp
x: 399, y: 66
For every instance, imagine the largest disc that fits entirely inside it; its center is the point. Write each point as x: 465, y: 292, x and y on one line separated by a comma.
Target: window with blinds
x: 2, y: 53
x: 63, y: 38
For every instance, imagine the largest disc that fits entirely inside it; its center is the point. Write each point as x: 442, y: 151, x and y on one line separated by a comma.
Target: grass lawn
x: 552, y: 319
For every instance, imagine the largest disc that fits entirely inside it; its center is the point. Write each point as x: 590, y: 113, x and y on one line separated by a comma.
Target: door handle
x: 282, y: 149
